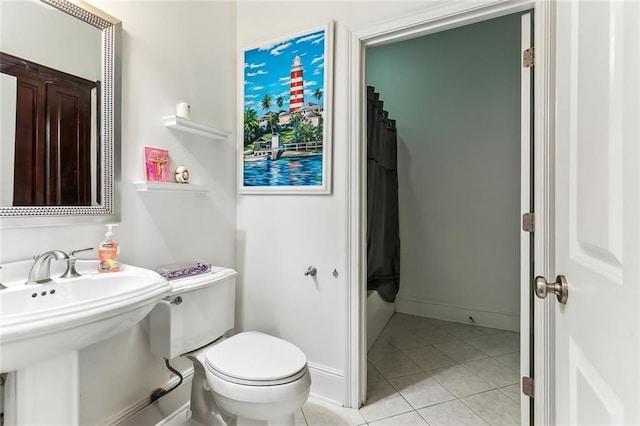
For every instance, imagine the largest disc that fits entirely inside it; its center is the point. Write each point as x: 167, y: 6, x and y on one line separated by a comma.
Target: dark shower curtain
x: 383, y: 230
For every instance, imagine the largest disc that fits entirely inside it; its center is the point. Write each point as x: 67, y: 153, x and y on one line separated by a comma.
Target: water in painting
x: 288, y: 171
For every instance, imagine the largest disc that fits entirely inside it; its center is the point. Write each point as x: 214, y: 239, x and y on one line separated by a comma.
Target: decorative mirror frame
x: 107, y: 211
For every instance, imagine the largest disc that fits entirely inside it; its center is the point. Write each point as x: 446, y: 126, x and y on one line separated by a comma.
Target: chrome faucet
x: 41, y: 269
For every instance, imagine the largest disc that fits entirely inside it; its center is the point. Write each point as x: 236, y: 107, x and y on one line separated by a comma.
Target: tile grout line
x: 471, y: 408
x: 427, y: 372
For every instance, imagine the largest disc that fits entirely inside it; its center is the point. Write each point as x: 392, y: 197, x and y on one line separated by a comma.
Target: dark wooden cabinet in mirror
x: 55, y: 134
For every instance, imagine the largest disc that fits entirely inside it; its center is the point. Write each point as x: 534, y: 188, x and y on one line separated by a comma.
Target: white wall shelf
x: 186, y: 125
x: 146, y: 186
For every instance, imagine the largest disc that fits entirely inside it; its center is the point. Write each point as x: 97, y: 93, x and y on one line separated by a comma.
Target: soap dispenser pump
x: 107, y: 252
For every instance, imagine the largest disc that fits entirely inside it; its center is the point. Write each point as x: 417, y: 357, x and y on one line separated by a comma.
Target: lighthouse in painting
x: 297, y: 85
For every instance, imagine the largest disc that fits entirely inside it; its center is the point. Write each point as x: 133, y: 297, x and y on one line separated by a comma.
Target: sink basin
x: 41, y: 321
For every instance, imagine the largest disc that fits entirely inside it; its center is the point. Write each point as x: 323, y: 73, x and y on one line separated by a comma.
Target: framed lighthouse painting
x: 285, y: 132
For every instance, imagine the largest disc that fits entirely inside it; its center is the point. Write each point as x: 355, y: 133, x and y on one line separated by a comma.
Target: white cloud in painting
x: 249, y: 103
x: 258, y: 88
x: 312, y: 37
x: 278, y: 49
x: 310, y: 83
x: 254, y: 66
x: 259, y: 72
x: 317, y: 59
x: 251, y: 96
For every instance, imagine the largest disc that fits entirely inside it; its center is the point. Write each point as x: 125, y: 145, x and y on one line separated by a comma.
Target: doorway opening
x: 432, y: 168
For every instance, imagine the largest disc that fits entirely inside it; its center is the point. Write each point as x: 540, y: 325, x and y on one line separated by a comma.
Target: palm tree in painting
x: 317, y: 132
x: 250, y: 125
x: 296, y: 120
x: 279, y: 102
x: 317, y: 94
x: 273, y: 121
x: 265, y: 103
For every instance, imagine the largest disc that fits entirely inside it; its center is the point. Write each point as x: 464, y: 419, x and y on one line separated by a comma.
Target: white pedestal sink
x: 43, y: 326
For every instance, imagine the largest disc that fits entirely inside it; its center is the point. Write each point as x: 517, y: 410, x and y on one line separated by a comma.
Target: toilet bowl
x: 248, y: 379
x: 257, y: 377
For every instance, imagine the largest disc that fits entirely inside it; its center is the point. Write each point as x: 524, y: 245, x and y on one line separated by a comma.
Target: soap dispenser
x: 107, y: 252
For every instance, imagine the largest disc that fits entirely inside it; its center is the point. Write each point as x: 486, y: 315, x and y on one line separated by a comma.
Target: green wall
x: 456, y: 98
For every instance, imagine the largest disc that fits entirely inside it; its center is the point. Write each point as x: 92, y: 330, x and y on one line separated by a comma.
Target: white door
x: 597, y: 198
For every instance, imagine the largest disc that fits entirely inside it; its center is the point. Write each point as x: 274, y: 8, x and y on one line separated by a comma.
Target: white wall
x: 40, y: 33
x: 456, y: 98
x: 172, y: 50
x: 280, y: 235
x: 8, y: 98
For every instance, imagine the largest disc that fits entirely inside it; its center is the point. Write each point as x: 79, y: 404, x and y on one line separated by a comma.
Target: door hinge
x: 528, y: 57
x: 528, y: 222
x: 527, y: 386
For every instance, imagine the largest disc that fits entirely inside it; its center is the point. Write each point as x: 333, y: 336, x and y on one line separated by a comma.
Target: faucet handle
x: 71, y: 264
x: 74, y: 252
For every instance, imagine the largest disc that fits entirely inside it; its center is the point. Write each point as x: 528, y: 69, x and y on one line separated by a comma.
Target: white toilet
x: 250, y: 378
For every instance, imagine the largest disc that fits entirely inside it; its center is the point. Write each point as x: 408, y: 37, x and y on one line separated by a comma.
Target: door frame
x: 435, y: 17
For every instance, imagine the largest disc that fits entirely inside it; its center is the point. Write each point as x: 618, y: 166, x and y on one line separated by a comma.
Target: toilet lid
x: 254, y: 356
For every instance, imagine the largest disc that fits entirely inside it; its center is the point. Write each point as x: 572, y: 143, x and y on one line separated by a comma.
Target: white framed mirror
x: 60, y: 64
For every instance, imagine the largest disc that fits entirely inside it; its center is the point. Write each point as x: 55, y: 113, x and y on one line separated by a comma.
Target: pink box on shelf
x: 156, y: 163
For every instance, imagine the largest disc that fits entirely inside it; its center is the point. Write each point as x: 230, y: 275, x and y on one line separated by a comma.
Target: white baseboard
x: 144, y: 412
x: 449, y: 312
x: 178, y: 417
x: 327, y: 383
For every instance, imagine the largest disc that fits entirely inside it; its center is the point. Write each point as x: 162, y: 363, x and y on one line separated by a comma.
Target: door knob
x: 560, y: 288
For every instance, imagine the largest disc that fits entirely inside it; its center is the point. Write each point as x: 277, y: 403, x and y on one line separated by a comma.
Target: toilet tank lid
x: 256, y: 356
x: 194, y: 282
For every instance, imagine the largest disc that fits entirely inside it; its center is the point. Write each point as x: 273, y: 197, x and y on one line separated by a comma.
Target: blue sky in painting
x: 267, y: 69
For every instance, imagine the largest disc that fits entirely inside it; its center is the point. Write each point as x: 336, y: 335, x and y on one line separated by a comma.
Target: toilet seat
x: 256, y: 393
x: 256, y: 359
x: 245, y: 382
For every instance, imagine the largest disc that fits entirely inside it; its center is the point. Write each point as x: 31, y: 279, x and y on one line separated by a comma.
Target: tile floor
x: 424, y: 371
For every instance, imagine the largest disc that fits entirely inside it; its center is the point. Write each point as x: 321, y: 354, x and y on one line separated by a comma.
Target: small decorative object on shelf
x: 156, y: 162
x: 183, y: 109
x: 182, y: 174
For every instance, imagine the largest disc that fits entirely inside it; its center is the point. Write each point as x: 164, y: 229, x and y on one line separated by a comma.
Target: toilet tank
x: 199, y: 310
